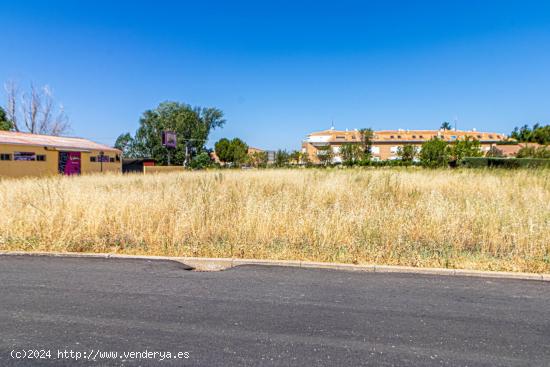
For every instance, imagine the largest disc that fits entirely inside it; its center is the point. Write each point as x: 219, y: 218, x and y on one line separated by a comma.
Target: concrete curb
x: 217, y: 264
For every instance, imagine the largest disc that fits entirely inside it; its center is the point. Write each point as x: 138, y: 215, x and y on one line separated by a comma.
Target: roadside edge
x: 217, y: 264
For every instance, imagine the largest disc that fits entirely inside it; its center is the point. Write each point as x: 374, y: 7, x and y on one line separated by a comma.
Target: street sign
x: 169, y: 139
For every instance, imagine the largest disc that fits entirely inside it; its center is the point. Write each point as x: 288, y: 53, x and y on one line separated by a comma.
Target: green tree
x: 541, y: 135
x: 522, y: 134
x: 125, y: 143
x: 464, y: 148
x: 305, y: 160
x: 407, y: 153
x: 367, y: 135
x: 201, y: 161
x: 233, y: 151
x: 350, y: 153
x: 5, y: 124
x: 191, y: 124
x: 538, y: 134
x: 325, y: 155
x: 240, y: 151
x: 434, y: 153
x: 295, y: 157
x: 446, y: 125
x: 258, y: 159
x: 281, y: 158
x: 223, y: 150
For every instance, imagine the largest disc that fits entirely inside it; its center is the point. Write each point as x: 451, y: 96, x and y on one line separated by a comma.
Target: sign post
x: 169, y: 140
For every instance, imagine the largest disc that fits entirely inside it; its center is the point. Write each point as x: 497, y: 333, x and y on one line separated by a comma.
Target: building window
x: 394, y: 149
x: 398, y: 136
x: 93, y: 159
x: 117, y: 158
x: 421, y: 136
x: 490, y: 136
x: 479, y: 136
x: 24, y: 156
x: 375, y: 150
x: 112, y: 160
x: 5, y: 157
x: 414, y: 136
x: 391, y: 137
x: 41, y: 157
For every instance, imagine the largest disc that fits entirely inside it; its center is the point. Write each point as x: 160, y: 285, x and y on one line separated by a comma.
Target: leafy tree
x: 191, y: 124
x: 325, y: 155
x: 233, y: 151
x: 240, y: 150
x: 522, y: 134
x: 407, y: 153
x: 295, y: 157
x: 258, y: 159
x: 367, y: 136
x: 5, y: 124
x: 281, y: 158
x: 125, y: 143
x: 201, y: 161
x: 464, y: 148
x: 446, y: 126
x: 541, y: 135
x: 305, y: 160
x: 494, y: 152
x: 351, y: 154
x: 434, y: 153
x: 538, y: 134
x: 223, y: 150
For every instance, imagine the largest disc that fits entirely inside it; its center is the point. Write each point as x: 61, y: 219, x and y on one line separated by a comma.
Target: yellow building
x: 23, y: 154
x: 385, y: 143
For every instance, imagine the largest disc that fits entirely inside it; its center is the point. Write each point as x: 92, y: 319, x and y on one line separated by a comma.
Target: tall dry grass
x: 474, y: 219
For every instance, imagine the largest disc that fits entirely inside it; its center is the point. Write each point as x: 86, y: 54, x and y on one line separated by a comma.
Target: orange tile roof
x: 18, y: 138
x: 406, y: 135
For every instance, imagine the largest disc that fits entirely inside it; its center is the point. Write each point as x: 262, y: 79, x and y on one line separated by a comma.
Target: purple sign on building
x: 169, y: 139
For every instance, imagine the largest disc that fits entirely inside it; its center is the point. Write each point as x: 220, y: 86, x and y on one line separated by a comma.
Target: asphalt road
x: 264, y: 316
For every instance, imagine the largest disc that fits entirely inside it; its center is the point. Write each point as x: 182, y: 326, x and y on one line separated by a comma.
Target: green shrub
x: 201, y: 161
x: 388, y: 163
x: 485, y: 162
x: 434, y: 153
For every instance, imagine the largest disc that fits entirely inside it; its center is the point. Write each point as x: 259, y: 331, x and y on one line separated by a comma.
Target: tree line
x: 36, y: 111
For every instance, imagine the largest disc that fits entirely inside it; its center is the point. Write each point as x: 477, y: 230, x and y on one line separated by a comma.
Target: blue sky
x: 282, y: 69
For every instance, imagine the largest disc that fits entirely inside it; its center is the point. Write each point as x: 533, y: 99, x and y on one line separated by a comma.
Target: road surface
x: 263, y: 316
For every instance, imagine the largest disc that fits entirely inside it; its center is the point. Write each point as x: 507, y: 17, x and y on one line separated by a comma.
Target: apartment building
x: 385, y: 143
x: 23, y: 154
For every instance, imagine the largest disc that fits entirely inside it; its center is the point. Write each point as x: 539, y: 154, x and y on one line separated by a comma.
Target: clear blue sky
x: 285, y: 68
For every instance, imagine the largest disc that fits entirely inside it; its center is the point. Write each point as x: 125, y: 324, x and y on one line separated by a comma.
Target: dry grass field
x: 476, y: 219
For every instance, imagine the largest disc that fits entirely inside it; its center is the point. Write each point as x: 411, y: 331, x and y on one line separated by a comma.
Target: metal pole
x: 186, y: 154
x: 101, y: 154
